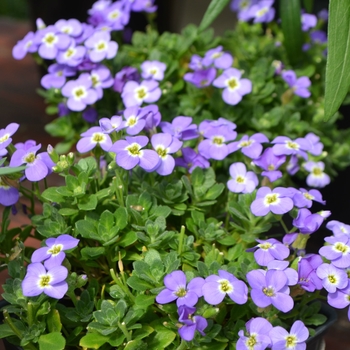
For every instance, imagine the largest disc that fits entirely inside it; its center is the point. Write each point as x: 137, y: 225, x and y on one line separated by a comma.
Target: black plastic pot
x: 314, y: 343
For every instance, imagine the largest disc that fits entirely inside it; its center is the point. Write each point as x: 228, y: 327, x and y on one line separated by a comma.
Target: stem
x: 30, y: 311
x: 285, y: 228
x: 181, y: 239
x: 123, y: 328
x: 183, y: 345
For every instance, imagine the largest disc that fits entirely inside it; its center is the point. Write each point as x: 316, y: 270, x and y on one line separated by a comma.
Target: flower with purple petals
x: 307, y: 277
x: 165, y: 144
x: 269, y: 250
x: 134, y: 119
x: 36, y: 168
x: 53, y: 254
x: 216, y: 287
x: 181, y: 128
x: 298, y: 85
x: 90, y: 114
x: 242, y: 7
x: 270, y: 287
x: 80, y: 93
x: 201, y: 78
x: 277, y: 201
x: 140, y: 5
x: 56, y: 76
x: 304, y: 198
x: 24, y: 46
x: 116, y: 16
x: 38, y: 280
x: 101, y: 78
x: 317, y: 145
x: 130, y: 153
x: 337, y: 251
x: 307, y: 222
x: 5, y: 136
x: 283, y: 145
x: 114, y: 124
x: 101, y: 47
x: 214, y: 145
x: 242, y: 181
x: 123, y: 76
x: 178, y: 289
x: 93, y: 137
x: 72, y: 56
x: 250, y: 145
x: 332, y: 277
x: 257, y: 337
x: 316, y: 178
x: 196, y: 62
x: 269, y: 162
x: 323, y: 14
x: 71, y: 27
x: 51, y: 41
x: 191, y: 323
x: 9, y: 195
x: 96, y: 12
x: 295, y: 339
x: 153, y: 118
x: 153, y: 70
x: 262, y: 11
x: 340, y: 299
x: 234, y: 87
x: 338, y: 228
x: 292, y: 275
x: 218, y: 58
x: 308, y: 21
x: 134, y: 94
x: 190, y: 160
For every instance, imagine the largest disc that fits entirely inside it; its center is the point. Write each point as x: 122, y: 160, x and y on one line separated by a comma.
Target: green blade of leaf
x: 213, y: 10
x: 338, y: 59
x: 291, y: 27
x: 11, y: 170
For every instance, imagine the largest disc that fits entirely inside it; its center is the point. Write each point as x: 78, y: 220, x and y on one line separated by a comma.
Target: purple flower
x: 126, y: 74
x: 201, y: 78
x: 134, y: 94
x: 304, y: 198
x: 269, y: 162
x: 214, y: 145
x: 101, y: 79
x: 277, y: 201
x: 307, y: 277
x: 196, y: 62
x: 338, y: 228
x: 218, y: 58
x: 56, y: 77
x: 307, y: 222
x: 100, y: 46
x: 23, y: 46
x: 318, y: 36
x: 153, y: 70
x: 250, y: 146
x: 96, y: 12
x: 116, y: 16
x: 340, y: 299
x: 79, y: 93
x: 215, y: 288
x: 130, y: 154
x: 164, y: 145
x: 72, y: 56
x: 5, y: 136
x: 38, y: 280
x: 140, y: 5
x: 71, y: 27
x: 63, y: 110
x: 93, y: 137
x: 332, y: 277
x: 53, y: 254
x: 134, y: 119
x: 90, y: 114
x: 242, y: 7
x: 234, y: 87
x: 262, y: 11
x: 338, y: 251
x: 258, y: 329
x: 298, y: 85
x: 152, y: 118
x: 269, y: 250
x: 50, y: 42
x: 8, y: 195
x: 295, y: 339
x: 283, y: 145
x: 242, y: 181
x: 292, y: 275
x: 270, y: 288
x: 323, y: 14
x: 316, y: 178
x: 191, y: 323
x: 190, y: 160
x: 317, y: 146
x: 308, y: 21
x: 181, y: 128
x: 114, y: 124
x: 36, y: 168
x: 176, y: 289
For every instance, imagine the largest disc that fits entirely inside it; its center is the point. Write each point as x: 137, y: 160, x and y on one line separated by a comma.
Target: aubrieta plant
x: 176, y: 221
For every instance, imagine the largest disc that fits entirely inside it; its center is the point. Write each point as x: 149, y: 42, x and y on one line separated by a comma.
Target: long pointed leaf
x: 291, y: 27
x: 338, y: 59
x: 213, y: 10
x: 11, y: 170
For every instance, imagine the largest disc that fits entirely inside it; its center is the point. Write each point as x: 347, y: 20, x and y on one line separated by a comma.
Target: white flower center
x: 225, y: 286
x: 50, y: 39
x: 79, y: 92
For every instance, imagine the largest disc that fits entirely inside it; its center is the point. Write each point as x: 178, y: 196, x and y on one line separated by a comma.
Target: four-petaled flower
x: 93, y: 137
x: 242, y: 181
x: 191, y: 322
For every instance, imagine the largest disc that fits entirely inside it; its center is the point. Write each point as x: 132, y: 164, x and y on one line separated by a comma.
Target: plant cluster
x: 177, y: 223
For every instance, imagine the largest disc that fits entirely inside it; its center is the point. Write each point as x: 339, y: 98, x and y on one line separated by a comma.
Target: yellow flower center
x: 265, y: 245
x: 225, y: 286
x: 131, y: 121
x: 332, y: 279
x: 341, y: 247
x: 251, y: 342
x: 30, y: 158
x: 291, y: 341
x: 218, y: 140
x: 181, y: 292
x: 44, y: 281
x: 261, y: 12
x: 50, y: 39
x: 98, y: 137
x: 232, y: 83
x: 134, y: 149
x: 70, y: 52
x: 114, y: 15
x: 268, y: 291
x: 245, y: 143
x: 308, y: 196
x: 216, y: 55
x: 79, y: 92
x: 292, y: 145
x: 240, y: 179
x: 271, y: 198
x: 95, y: 80
x: 271, y: 167
x: 141, y: 93
x: 317, y: 171
x: 55, y: 249
x: 153, y: 71
x: 162, y: 152
x: 4, y: 138
x: 101, y: 46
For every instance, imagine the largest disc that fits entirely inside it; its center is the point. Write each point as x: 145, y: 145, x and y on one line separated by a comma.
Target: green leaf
x: 54, y: 321
x: 52, y: 195
x: 121, y: 215
x: 338, y: 59
x: 138, y: 284
x: 161, y: 339
x: 6, y: 331
x: 10, y: 170
x: 92, y: 341
x: 128, y: 239
x: 52, y: 341
x: 136, y: 344
x: 291, y: 27
x: 88, y: 202
x: 308, y: 5
x: 89, y: 253
x: 68, y: 211
x: 315, y: 320
x: 214, y: 9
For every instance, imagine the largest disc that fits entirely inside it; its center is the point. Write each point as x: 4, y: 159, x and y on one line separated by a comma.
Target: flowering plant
x: 176, y: 221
